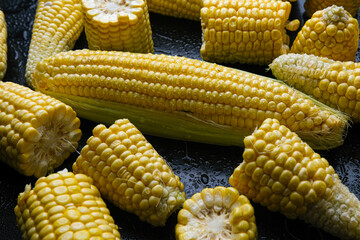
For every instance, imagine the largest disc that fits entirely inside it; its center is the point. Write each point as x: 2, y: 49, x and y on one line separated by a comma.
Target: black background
x: 198, y: 165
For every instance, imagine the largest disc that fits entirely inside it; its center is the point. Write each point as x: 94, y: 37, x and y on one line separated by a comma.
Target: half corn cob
x: 37, y: 132
x: 130, y: 173
x: 335, y: 83
x: 331, y: 33
x: 283, y: 173
x: 64, y: 206
x: 188, y: 9
x: 251, y: 31
x: 3, y: 45
x: 57, y: 26
x: 311, y: 6
x: 118, y: 25
x: 216, y: 213
x: 183, y: 98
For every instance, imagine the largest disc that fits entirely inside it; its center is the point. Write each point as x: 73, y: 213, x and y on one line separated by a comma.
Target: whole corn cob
x: 57, y: 26
x: 216, y: 213
x: 130, y: 173
x: 311, y: 6
x: 182, y: 98
x: 3, y: 45
x: 189, y: 9
x: 335, y: 83
x: 331, y: 33
x: 118, y: 25
x: 37, y: 132
x: 64, y: 206
x: 283, y: 173
x: 252, y: 32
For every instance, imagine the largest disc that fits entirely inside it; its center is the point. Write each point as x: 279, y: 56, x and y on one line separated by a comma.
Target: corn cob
x: 216, y: 213
x: 3, y: 45
x: 283, y: 173
x: 118, y: 25
x: 251, y: 32
x: 311, y: 6
x: 130, y: 173
x: 37, y: 132
x: 189, y: 9
x: 64, y: 206
x: 335, y: 83
x: 331, y: 33
x: 57, y: 26
x: 182, y: 98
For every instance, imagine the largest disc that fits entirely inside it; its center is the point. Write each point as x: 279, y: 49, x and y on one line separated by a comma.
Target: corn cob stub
x: 64, y: 206
x: 311, y: 6
x: 37, y: 132
x: 3, y: 45
x: 283, y: 173
x: 130, y: 173
x: 216, y: 213
x: 331, y: 33
x: 57, y: 26
x: 189, y: 9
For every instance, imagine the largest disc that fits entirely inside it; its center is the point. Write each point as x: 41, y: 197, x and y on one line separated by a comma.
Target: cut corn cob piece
x: 64, y: 206
x: 283, y: 173
x: 57, y: 26
x: 251, y: 31
x: 335, y: 83
x: 3, y: 45
x: 182, y: 98
x: 311, y: 6
x: 188, y: 9
x: 216, y: 213
x: 130, y: 173
x: 118, y: 25
x: 331, y: 33
x: 37, y: 132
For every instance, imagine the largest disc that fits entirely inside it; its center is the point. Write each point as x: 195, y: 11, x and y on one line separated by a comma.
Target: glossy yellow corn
x: 129, y: 172
x: 118, y: 25
x: 331, y: 32
x: 3, y: 45
x: 283, y: 173
x: 311, y: 6
x: 57, y: 26
x: 37, y: 132
x: 216, y: 213
x: 182, y: 98
x: 64, y: 206
x: 251, y: 32
x: 335, y: 83
x: 189, y: 9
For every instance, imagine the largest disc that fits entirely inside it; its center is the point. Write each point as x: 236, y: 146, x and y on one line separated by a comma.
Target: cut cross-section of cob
x: 335, y: 83
x: 183, y: 98
x: 122, y: 25
x: 331, y: 32
x: 37, y: 132
x: 252, y: 32
x: 3, y: 45
x: 129, y: 172
x: 216, y: 213
x: 189, y: 9
x: 57, y: 26
x: 64, y: 206
x: 311, y: 6
x: 283, y: 173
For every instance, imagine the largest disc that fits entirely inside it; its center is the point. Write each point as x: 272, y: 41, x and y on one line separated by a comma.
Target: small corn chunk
x: 283, y: 173
x: 122, y: 25
x: 37, y: 132
x: 216, y: 213
x: 188, y: 9
x: 130, y: 173
x: 311, y: 6
x: 183, y: 98
x: 57, y: 26
x: 335, y: 83
x: 3, y: 45
x: 330, y: 33
x: 64, y: 206
x: 251, y: 32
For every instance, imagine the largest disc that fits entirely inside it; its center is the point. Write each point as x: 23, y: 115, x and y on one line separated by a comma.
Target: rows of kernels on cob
x: 311, y: 6
x: 3, y: 45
